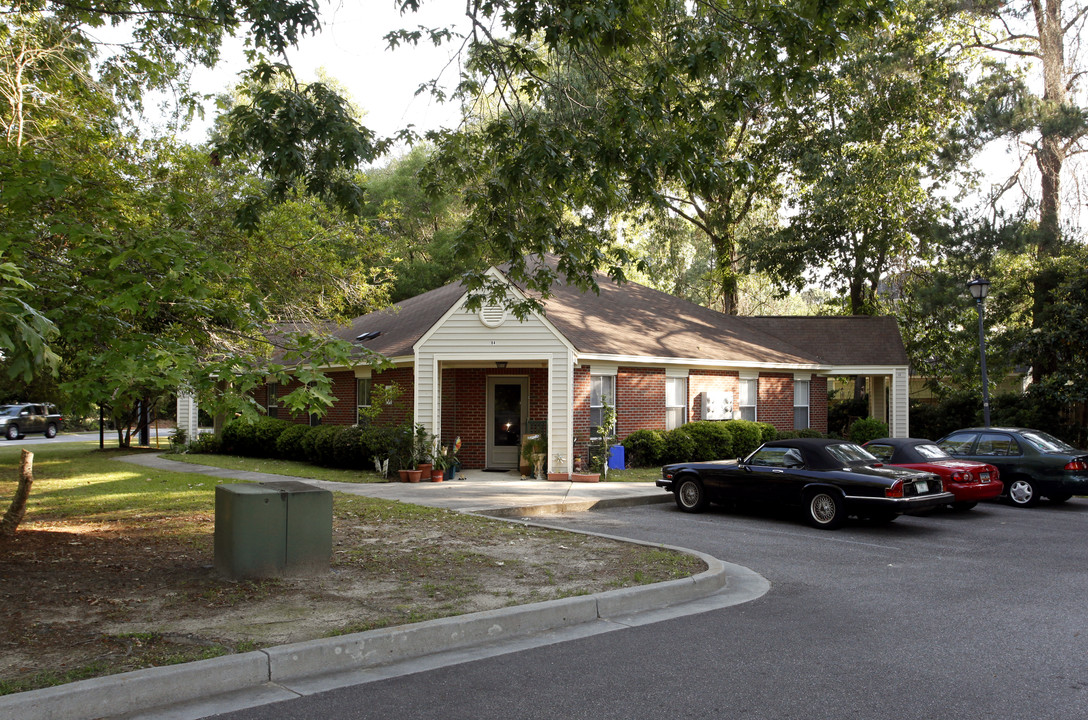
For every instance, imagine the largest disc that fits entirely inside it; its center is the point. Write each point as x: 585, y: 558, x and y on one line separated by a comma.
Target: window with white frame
x: 362, y: 399
x: 602, y: 389
x: 748, y: 398
x: 272, y: 406
x: 800, y: 404
x: 676, y: 402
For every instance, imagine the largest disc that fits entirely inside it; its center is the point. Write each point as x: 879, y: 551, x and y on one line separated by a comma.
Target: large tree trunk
x: 1050, y: 158
x: 15, y: 512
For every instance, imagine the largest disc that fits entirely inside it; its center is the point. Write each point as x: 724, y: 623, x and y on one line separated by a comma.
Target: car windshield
x: 851, y: 454
x: 1043, y: 442
x: 931, y: 452
x: 8, y: 410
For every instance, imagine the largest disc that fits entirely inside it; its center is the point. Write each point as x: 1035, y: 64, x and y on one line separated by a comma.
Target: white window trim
x: 673, y: 407
x: 612, y: 401
x: 358, y: 398
x: 744, y: 380
x: 808, y: 401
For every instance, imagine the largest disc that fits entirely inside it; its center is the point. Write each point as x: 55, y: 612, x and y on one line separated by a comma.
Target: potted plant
x: 535, y: 450
x: 438, y: 472
x: 453, y: 464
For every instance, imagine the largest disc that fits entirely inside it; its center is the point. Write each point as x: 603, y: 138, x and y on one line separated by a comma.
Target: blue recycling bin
x: 616, y: 458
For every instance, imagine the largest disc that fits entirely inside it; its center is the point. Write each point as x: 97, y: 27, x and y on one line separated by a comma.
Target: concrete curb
x: 144, y: 690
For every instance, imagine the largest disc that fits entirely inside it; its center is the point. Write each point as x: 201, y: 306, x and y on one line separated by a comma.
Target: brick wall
x: 776, y: 400
x: 818, y: 403
x: 344, y: 389
x: 580, y: 398
x: 640, y: 400
x: 464, y: 407
x: 700, y: 381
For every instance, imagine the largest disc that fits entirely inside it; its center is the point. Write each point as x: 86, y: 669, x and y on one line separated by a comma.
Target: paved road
x: 981, y: 615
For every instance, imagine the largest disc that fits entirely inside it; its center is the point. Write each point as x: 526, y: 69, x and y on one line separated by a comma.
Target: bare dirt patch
x: 80, y: 599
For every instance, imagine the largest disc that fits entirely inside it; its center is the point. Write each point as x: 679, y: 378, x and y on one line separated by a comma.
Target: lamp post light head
x: 980, y: 288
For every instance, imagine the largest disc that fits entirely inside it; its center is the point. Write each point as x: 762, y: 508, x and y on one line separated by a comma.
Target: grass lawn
x: 112, y: 569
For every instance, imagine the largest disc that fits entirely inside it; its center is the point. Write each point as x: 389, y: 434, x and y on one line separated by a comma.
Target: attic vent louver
x: 368, y: 335
x: 492, y: 315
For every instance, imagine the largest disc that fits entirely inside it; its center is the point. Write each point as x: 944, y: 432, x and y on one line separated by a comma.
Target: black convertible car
x: 830, y: 479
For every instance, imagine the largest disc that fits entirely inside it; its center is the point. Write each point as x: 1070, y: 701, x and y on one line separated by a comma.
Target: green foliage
x: 679, y: 446
x: 809, y: 433
x: 787, y: 435
x: 767, y: 432
x: 205, y: 443
x: 865, y: 429
x: 290, y: 443
x: 320, y: 444
x: 713, y: 440
x: 242, y: 436
x: 747, y: 436
x: 843, y: 412
x: 644, y: 448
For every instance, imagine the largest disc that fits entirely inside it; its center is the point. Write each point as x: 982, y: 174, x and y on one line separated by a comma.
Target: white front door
x: 507, y: 415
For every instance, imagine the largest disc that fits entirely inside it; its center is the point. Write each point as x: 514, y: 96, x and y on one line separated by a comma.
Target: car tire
x: 962, y: 506
x: 825, y: 509
x: 1023, y: 492
x: 690, y: 495
x: 51, y: 430
x: 1059, y: 497
x: 12, y: 433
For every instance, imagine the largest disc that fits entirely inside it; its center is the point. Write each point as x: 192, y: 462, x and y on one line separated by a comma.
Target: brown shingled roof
x: 634, y: 320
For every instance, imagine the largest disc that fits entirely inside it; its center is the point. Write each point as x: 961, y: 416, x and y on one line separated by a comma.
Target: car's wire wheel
x: 825, y: 510
x: 690, y: 496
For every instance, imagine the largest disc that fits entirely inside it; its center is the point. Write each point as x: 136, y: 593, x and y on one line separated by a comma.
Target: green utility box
x: 272, y: 529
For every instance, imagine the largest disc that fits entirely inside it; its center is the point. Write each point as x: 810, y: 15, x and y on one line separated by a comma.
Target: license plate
x: 984, y: 477
x: 921, y: 486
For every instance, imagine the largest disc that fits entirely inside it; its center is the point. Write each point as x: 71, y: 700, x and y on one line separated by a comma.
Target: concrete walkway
x: 483, y: 492
x: 198, y: 689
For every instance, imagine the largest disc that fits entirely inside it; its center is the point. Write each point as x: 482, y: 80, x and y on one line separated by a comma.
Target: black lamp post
x: 980, y: 288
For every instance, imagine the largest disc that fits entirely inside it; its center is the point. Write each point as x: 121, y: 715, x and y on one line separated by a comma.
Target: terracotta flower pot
x: 414, y: 475
x: 403, y: 475
x: 585, y: 477
x: 558, y: 477
x: 425, y: 468
x: 438, y: 475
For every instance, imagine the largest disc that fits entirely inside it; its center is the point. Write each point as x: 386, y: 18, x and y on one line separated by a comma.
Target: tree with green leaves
x: 582, y: 112
x: 871, y: 151
x: 1041, y: 106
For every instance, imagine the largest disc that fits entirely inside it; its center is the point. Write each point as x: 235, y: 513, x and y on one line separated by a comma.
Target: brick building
x: 660, y: 361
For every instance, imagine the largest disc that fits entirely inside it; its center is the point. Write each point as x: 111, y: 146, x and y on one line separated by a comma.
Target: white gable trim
x: 459, y: 306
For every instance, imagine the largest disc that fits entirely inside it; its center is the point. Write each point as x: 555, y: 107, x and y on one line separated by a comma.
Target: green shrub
x: 679, y: 446
x: 322, y: 447
x: 253, y: 439
x: 810, y: 433
x: 713, y: 441
x: 841, y: 413
x: 289, y: 443
x: 866, y: 429
x: 348, y: 448
x: 767, y: 432
x: 747, y: 436
x: 644, y: 448
x: 205, y: 443
x: 787, y: 435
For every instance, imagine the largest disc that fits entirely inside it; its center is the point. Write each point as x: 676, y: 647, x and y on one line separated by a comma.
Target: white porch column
x: 187, y: 414
x: 899, y: 418
x: 878, y: 405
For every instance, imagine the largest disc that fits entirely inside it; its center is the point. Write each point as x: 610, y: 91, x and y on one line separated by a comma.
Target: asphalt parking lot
x: 976, y: 615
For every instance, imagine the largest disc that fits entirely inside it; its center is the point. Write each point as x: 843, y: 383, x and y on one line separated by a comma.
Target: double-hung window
x: 800, y: 404
x: 363, y: 387
x: 676, y: 402
x: 748, y: 397
x: 272, y: 406
x: 602, y: 390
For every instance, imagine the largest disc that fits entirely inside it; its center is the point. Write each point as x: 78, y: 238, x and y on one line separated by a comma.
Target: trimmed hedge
x: 679, y: 446
x: 866, y: 429
x: 252, y: 439
x: 747, y: 436
x: 713, y: 440
x: 644, y: 448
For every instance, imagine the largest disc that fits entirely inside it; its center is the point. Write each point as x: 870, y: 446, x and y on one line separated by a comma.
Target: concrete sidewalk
x: 198, y: 689
x: 484, y: 492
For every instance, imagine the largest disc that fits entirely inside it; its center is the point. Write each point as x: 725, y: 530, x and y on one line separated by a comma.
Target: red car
x: 968, y: 481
